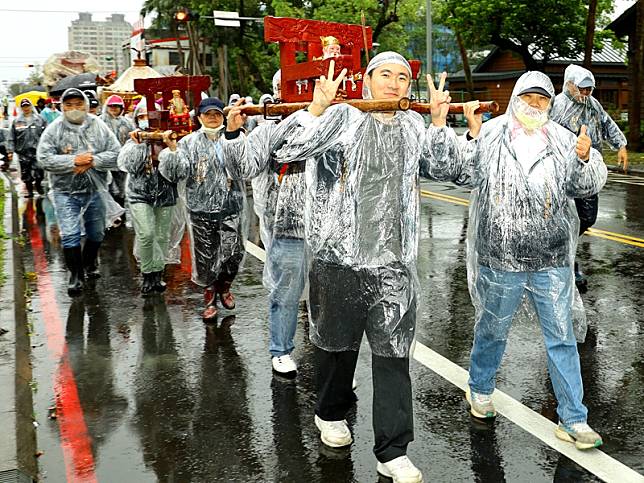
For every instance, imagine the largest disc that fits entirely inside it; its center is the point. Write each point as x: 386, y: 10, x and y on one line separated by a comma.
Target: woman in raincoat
x: 575, y: 107
x: 78, y: 151
x: 152, y: 199
x: 214, y: 202
x: 362, y: 215
x: 121, y: 126
x: 524, y: 171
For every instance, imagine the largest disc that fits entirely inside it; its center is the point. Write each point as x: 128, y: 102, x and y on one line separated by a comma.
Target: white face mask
x: 212, y: 132
x: 75, y: 116
x: 144, y: 124
x: 530, y: 117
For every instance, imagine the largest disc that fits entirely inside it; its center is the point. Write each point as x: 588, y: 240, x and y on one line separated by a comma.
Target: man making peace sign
x: 362, y: 217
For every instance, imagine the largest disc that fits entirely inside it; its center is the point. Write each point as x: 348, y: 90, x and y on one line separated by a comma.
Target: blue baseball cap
x: 210, y: 103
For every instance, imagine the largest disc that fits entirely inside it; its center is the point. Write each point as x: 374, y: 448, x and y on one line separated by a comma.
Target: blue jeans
x: 551, y: 291
x: 70, y: 207
x: 286, y: 269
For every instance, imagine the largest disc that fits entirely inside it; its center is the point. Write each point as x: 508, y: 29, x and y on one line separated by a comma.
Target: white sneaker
x: 401, y: 470
x: 335, y: 434
x: 284, y: 366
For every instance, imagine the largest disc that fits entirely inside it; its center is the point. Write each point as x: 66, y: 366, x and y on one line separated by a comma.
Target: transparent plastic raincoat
x: 121, y: 126
x: 522, y: 215
x: 214, y: 202
x: 278, y: 189
x: 572, y: 110
x: 24, y: 135
x: 59, y: 145
x: 362, y: 216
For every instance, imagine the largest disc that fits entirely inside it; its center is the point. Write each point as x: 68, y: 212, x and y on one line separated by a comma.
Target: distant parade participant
x: 50, y: 113
x: 93, y: 102
x: 152, y: 199
x: 362, y: 216
x: 524, y: 171
x: 215, y: 204
x: 121, y: 126
x: 24, y: 135
x: 78, y: 151
x: 572, y: 108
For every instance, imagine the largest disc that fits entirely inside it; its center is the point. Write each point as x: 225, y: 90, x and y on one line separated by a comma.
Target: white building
x: 101, y: 39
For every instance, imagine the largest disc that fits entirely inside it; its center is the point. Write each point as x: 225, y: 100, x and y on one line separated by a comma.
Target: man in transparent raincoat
x: 574, y: 107
x: 362, y: 215
x: 152, y: 200
x: 121, y: 126
x: 78, y: 151
x: 278, y: 196
x: 24, y: 135
x: 214, y: 201
x: 524, y: 171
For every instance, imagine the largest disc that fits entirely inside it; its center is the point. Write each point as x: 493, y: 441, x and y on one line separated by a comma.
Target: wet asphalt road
x: 128, y: 390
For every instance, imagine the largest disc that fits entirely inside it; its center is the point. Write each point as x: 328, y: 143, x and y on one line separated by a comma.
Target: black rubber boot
x: 39, y: 187
x: 148, y: 284
x: 580, y: 280
x: 74, y: 262
x: 159, y: 284
x: 90, y: 259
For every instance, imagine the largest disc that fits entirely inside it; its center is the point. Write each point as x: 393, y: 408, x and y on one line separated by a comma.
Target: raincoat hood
x: 575, y: 77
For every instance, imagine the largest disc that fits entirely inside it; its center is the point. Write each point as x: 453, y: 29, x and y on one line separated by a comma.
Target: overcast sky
x: 28, y: 37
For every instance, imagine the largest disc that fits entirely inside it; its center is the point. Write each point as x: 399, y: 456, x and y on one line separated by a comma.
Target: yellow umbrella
x: 33, y: 96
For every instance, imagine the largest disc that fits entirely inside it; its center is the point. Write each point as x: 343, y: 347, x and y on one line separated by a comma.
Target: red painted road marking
x: 75, y: 440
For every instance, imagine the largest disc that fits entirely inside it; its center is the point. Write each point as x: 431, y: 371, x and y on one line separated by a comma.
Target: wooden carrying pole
x: 366, y: 105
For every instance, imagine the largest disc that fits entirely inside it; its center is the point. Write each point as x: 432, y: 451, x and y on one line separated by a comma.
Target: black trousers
x: 392, y: 411
x: 218, y: 248
x: 29, y: 170
x: 587, y: 211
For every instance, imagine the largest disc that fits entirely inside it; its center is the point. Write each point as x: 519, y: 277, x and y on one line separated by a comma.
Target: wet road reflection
x: 166, y: 398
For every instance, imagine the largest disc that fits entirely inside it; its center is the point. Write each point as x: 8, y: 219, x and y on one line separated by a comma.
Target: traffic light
x: 185, y: 15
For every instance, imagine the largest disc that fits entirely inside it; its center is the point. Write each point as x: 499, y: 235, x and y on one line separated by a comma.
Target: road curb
x: 18, y: 441
x: 618, y: 169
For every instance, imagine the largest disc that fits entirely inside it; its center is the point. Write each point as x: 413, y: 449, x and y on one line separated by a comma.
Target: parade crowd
x: 336, y: 191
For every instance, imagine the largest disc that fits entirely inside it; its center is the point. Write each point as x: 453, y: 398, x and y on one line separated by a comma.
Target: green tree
x: 251, y: 61
x: 552, y: 27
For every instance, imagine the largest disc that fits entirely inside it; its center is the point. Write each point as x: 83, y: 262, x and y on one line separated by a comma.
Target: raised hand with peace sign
x: 439, y: 99
x: 325, y: 91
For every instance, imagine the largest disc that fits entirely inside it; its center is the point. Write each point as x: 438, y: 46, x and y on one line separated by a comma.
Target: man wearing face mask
x: 24, y: 135
x: 215, y: 205
x: 78, y: 150
x: 574, y: 107
x: 361, y: 224
x: 524, y: 171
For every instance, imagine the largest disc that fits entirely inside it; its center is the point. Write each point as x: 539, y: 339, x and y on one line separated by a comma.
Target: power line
x: 66, y: 11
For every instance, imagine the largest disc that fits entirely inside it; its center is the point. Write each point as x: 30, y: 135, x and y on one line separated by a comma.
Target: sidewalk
x: 18, y: 444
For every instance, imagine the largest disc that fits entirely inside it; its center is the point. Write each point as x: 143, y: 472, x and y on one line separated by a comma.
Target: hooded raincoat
x: 152, y: 200
x: 121, y: 126
x: 522, y: 237
x: 24, y: 136
x: 362, y: 215
x: 214, y: 203
x: 83, y: 194
x: 571, y: 110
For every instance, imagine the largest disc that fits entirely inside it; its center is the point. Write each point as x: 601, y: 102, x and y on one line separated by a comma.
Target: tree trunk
x: 469, y: 83
x: 590, y: 34
x: 636, y: 62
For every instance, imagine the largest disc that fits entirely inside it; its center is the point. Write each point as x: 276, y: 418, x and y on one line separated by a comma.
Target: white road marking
x: 595, y: 461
